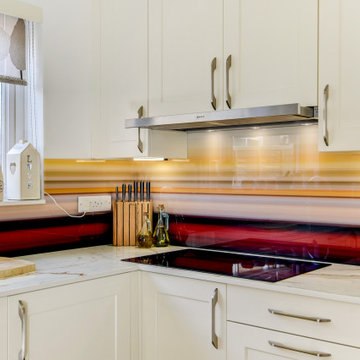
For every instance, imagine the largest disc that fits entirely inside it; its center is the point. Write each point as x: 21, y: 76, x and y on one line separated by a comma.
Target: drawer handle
x: 325, y: 123
x: 22, y: 315
x: 214, y: 300
x: 140, y: 143
x: 213, y: 68
x: 228, y: 96
x: 301, y: 317
x: 313, y: 353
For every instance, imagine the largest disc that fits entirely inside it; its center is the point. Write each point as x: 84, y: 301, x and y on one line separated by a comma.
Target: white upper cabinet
x: 124, y: 87
x: 266, y: 54
x: 185, y: 36
x: 123, y: 76
x: 339, y: 75
x: 71, y: 60
x: 272, y: 45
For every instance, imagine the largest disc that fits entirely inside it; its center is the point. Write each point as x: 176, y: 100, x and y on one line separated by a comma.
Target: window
x: 21, y: 118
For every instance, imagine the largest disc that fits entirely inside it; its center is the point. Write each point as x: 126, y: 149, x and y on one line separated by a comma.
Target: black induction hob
x: 231, y: 264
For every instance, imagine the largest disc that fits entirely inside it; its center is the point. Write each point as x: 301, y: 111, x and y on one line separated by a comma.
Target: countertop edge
x: 72, y: 266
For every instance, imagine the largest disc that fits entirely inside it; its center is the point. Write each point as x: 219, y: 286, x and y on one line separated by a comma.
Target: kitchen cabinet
x: 179, y: 316
x: 253, y: 343
x: 185, y: 36
x: 321, y: 319
x: 266, y: 54
x: 123, y: 76
x: 71, y: 61
x: 95, y: 77
x: 3, y: 329
x: 270, y: 50
x: 339, y: 75
x: 84, y: 321
x: 123, y: 87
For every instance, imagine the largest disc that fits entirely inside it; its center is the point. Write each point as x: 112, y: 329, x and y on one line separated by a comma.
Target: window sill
x: 22, y: 202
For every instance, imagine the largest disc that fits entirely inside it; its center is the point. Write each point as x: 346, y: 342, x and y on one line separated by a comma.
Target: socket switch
x: 94, y: 203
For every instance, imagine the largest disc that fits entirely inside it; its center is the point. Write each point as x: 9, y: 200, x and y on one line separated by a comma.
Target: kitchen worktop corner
x: 335, y: 282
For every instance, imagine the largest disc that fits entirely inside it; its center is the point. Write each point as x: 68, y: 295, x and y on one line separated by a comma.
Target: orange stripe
x: 219, y: 191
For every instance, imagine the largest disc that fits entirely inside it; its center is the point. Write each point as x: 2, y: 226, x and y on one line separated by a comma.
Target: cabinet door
x: 84, y: 321
x: 339, y: 57
x: 123, y: 77
x: 273, y: 48
x: 71, y: 68
x: 184, y: 37
x: 177, y: 319
x: 252, y: 343
x: 3, y: 329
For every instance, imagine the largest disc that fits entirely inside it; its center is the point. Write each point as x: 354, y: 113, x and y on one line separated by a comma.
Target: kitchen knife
x: 129, y: 192
x: 141, y: 191
x: 148, y: 191
x: 123, y: 192
x: 117, y: 194
x: 136, y: 189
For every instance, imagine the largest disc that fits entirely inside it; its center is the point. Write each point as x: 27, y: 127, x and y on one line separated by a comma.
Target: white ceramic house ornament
x: 23, y: 172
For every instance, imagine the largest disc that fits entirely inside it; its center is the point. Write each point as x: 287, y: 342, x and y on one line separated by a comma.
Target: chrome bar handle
x: 228, y: 96
x: 213, y: 98
x: 140, y: 143
x: 22, y: 315
x: 214, y: 300
x: 325, y: 121
x: 284, y: 347
x: 301, y: 317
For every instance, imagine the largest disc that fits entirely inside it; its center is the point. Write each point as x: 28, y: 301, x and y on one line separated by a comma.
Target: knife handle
x: 136, y: 190
x: 123, y: 192
x: 148, y: 191
x: 141, y: 191
x: 129, y: 192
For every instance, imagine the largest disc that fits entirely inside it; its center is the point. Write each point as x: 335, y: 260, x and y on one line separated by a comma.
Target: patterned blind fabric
x: 12, y: 50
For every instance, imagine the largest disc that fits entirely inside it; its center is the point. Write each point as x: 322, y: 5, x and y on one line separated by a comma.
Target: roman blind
x: 13, y: 18
x: 12, y: 50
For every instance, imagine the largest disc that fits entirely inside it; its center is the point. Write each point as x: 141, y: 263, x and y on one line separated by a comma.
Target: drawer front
x: 250, y: 343
x: 316, y: 318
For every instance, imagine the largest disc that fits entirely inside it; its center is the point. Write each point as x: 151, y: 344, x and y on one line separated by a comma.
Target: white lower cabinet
x: 3, y: 329
x: 252, y: 343
x: 84, y: 321
x: 182, y: 318
x: 150, y: 316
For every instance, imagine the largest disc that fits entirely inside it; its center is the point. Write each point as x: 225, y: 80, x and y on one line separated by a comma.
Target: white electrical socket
x: 94, y: 203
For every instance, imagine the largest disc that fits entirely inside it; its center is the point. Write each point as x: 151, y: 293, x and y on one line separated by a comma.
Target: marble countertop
x: 335, y: 282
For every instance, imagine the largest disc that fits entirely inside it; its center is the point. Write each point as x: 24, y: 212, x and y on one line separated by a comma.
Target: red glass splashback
x: 23, y: 237
x: 335, y: 244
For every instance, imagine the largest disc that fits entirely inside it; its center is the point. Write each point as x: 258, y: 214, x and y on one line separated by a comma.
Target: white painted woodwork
x: 3, y: 329
x: 21, y: 9
x: 124, y: 86
x: 84, y: 321
x: 252, y: 343
x: 176, y: 318
x: 71, y: 71
x: 251, y: 306
x: 273, y: 45
x: 123, y: 75
x: 184, y: 37
x: 339, y: 57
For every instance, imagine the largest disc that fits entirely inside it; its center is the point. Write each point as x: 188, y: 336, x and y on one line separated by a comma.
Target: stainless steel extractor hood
x: 265, y: 115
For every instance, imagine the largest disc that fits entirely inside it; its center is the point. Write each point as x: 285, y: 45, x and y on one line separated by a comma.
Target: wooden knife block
x: 128, y: 219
